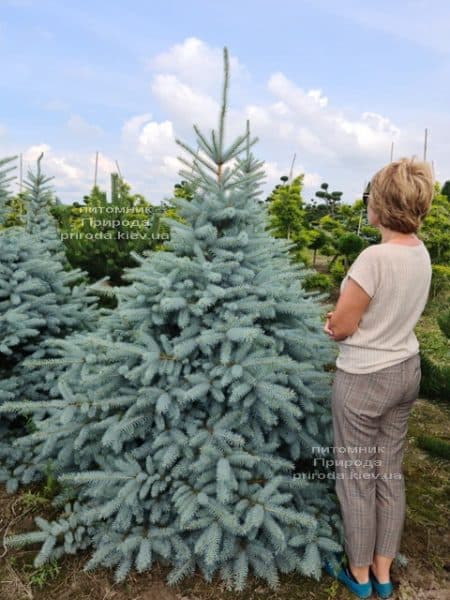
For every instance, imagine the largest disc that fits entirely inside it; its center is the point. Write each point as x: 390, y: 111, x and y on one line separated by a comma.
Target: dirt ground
x: 425, y: 543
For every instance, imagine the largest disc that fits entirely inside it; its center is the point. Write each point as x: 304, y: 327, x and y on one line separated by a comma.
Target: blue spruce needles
x: 181, y: 418
x: 40, y: 302
x: 4, y: 183
x: 39, y: 221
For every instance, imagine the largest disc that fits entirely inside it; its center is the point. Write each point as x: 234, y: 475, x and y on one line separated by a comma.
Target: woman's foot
x: 356, y: 578
x: 383, y: 588
x: 381, y: 578
x: 361, y: 590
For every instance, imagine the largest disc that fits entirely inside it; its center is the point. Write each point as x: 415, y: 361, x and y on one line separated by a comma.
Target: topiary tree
x: 332, y: 199
x: 286, y: 216
x: 446, y: 189
x: 349, y: 245
x: 181, y: 419
x: 285, y: 209
x: 184, y: 189
x: 319, y: 238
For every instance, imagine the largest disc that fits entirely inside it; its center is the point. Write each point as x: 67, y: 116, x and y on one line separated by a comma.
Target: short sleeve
x: 365, y: 271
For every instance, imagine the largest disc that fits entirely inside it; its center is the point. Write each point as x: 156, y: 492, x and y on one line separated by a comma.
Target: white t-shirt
x: 397, y: 278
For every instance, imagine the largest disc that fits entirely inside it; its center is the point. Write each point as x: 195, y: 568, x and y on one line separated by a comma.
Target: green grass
x: 436, y: 446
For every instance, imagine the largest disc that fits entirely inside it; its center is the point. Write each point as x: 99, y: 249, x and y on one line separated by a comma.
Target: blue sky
x: 333, y: 82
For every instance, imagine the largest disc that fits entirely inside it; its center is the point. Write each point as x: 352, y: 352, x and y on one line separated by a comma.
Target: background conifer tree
x: 181, y: 418
x: 5, y: 179
x: 38, y: 220
x: 446, y: 189
x: 100, y: 234
x: 39, y: 302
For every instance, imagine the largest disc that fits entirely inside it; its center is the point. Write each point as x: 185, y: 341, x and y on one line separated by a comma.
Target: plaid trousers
x: 370, y: 421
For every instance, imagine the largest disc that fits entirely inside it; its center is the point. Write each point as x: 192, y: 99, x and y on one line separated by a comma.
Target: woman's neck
x: 390, y: 236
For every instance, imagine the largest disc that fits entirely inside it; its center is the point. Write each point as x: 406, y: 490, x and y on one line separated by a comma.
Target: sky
x: 333, y: 83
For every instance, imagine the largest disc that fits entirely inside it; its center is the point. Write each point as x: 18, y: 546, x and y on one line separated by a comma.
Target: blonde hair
x: 401, y: 194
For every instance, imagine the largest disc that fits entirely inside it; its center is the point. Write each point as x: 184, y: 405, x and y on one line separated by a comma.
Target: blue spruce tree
x: 39, y: 221
x: 181, y: 419
x: 4, y: 183
x: 40, y: 303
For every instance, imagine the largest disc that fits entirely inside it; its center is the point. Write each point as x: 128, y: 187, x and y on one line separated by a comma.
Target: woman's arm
x: 345, y: 318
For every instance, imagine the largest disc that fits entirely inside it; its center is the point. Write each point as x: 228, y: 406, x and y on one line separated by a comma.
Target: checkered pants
x: 370, y: 420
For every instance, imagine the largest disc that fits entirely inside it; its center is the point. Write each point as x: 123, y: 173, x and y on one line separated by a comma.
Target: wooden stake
x: 292, y: 168
x: 20, y: 173
x: 425, y: 145
x: 359, y: 222
x: 96, y: 168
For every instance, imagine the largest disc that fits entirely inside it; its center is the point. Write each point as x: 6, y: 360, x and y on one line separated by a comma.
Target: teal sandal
x: 384, y: 590
x: 361, y: 590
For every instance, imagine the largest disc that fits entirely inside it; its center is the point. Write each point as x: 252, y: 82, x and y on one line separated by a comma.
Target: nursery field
x: 426, y: 542
x: 174, y: 399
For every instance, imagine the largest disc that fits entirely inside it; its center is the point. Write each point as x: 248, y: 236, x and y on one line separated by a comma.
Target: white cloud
x: 186, y: 83
x: 183, y: 103
x: 131, y: 127
x: 105, y: 165
x: 198, y: 65
x: 326, y: 131
x: 273, y: 171
x: 311, y: 142
x: 312, y: 180
x: 57, y: 164
x: 372, y: 132
x: 294, y: 97
x: 290, y: 120
x: 72, y: 174
x: 317, y: 95
x: 155, y: 136
x: 154, y: 150
x: 150, y: 139
x: 170, y: 166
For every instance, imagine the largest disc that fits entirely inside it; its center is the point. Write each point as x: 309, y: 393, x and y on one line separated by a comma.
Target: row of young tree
x: 100, y: 234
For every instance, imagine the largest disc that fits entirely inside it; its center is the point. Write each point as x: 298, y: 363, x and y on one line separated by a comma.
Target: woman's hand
x: 326, y: 327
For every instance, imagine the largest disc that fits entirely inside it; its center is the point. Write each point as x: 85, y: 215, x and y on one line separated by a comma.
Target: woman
x: 378, y: 373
